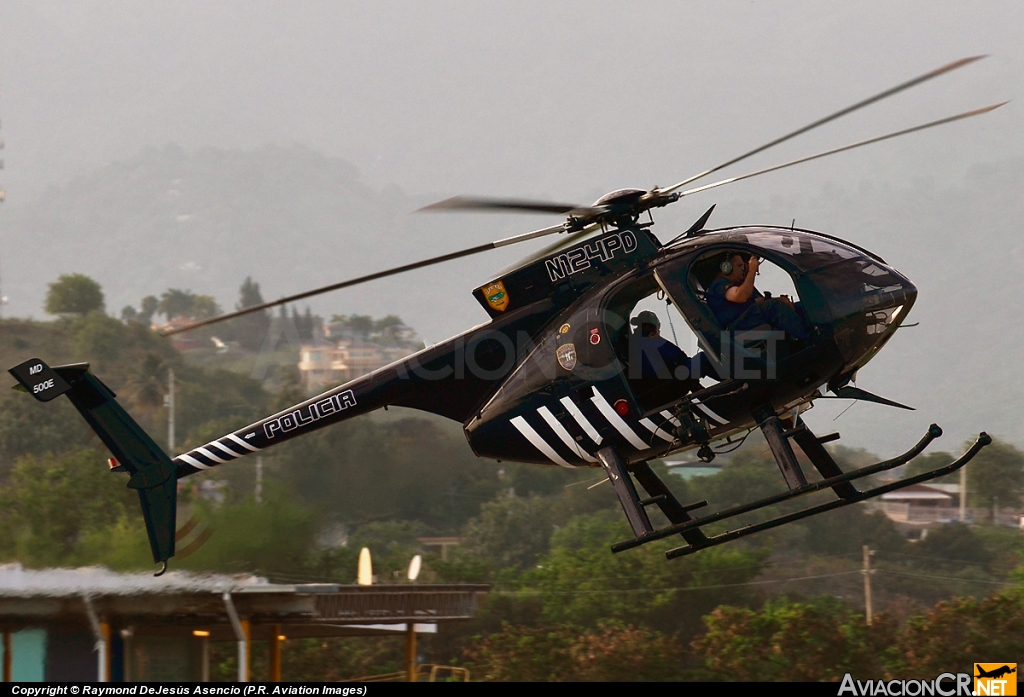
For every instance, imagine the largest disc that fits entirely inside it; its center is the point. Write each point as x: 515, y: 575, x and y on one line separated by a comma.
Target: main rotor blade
x: 948, y: 119
x: 371, y: 277
x: 831, y: 117
x: 474, y: 203
x: 569, y: 239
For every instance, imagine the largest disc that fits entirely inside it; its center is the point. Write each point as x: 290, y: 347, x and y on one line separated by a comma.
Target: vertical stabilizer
x: 151, y: 470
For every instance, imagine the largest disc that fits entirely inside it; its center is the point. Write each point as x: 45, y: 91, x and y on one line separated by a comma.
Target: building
x: 922, y: 506
x: 324, y: 365
x: 180, y: 342
x: 93, y: 624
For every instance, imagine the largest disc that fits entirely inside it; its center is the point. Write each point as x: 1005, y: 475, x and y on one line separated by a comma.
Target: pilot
x: 738, y: 305
x: 659, y: 357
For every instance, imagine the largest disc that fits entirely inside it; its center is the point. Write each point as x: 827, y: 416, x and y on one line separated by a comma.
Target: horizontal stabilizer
x: 40, y: 380
x: 865, y: 396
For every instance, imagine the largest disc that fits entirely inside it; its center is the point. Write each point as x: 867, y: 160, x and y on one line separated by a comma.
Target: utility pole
x: 867, y: 583
x: 259, y: 479
x: 170, y: 411
x: 963, y: 494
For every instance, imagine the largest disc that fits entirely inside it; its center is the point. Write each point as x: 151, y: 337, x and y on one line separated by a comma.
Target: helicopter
x: 555, y: 376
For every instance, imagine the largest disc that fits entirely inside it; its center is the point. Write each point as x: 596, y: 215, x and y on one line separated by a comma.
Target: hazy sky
x: 559, y: 100
x: 562, y: 99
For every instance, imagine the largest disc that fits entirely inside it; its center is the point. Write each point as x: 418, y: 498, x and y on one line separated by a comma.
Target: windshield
x: 806, y: 252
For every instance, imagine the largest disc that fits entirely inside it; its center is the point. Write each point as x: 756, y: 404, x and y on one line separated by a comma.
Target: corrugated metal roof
x: 17, y: 581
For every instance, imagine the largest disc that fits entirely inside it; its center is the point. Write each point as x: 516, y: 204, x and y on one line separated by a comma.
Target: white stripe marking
x: 564, y: 435
x: 538, y: 442
x: 192, y: 461
x: 616, y: 421
x: 223, y: 448
x: 206, y: 453
x: 670, y: 418
x: 649, y: 425
x: 242, y: 443
x: 710, y: 413
x: 588, y: 428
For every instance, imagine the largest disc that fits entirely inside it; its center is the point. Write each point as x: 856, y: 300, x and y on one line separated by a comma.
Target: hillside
x: 293, y: 219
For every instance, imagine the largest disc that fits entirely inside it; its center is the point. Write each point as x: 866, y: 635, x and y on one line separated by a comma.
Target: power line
x: 942, y: 559
x: 945, y: 578
x: 672, y: 588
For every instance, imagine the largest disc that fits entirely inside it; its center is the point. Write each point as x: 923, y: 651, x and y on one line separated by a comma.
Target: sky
x: 561, y: 100
x: 566, y: 100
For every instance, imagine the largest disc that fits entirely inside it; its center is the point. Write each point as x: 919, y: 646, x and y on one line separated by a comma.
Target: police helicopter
x: 565, y: 374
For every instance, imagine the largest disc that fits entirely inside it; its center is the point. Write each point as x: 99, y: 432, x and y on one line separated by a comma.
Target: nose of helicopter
x: 868, y: 301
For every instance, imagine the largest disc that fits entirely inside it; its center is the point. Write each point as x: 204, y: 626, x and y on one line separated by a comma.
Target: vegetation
x: 74, y: 295
x: 387, y: 331
x: 250, y: 330
x: 785, y: 605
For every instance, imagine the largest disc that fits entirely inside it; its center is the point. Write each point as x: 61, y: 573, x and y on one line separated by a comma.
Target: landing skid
x: 834, y: 478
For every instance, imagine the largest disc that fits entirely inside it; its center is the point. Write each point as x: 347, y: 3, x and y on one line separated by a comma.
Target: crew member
x: 739, y: 306
x: 659, y: 357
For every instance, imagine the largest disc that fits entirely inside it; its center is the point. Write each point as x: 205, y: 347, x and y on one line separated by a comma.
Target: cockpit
x: 833, y: 303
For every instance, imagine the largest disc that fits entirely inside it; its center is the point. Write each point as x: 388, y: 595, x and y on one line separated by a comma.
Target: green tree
x: 204, y: 307
x: 149, y: 306
x: 930, y: 461
x: 99, y: 339
x: 579, y: 582
x: 996, y: 476
x: 948, y: 547
x: 57, y: 510
x: 74, y: 294
x: 276, y: 537
x: 392, y: 545
x: 31, y: 427
x: 250, y: 330
x: 511, y: 531
x: 957, y: 632
x: 611, y: 652
x: 844, y: 531
x: 147, y: 381
x: 176, y: 303
x: 184, y: 303
x: 407, y: 469
x: 793, y: 642
x: 360, y: 326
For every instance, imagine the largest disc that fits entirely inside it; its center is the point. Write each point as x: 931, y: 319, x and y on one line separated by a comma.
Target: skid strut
x: 658, y: 494
x: 839, y: 482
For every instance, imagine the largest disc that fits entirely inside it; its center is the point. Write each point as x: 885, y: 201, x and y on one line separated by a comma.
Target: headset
x: 726, y: 266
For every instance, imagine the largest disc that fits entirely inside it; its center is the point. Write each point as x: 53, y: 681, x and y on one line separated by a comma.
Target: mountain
x: 294, y: 219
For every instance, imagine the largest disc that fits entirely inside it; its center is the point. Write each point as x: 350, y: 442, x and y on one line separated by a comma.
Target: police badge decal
x: 496, y: 295
x: 566, y: 354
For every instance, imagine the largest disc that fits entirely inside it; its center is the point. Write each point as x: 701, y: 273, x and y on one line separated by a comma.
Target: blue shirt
x: 671, y: 356
x: 727, y: 312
